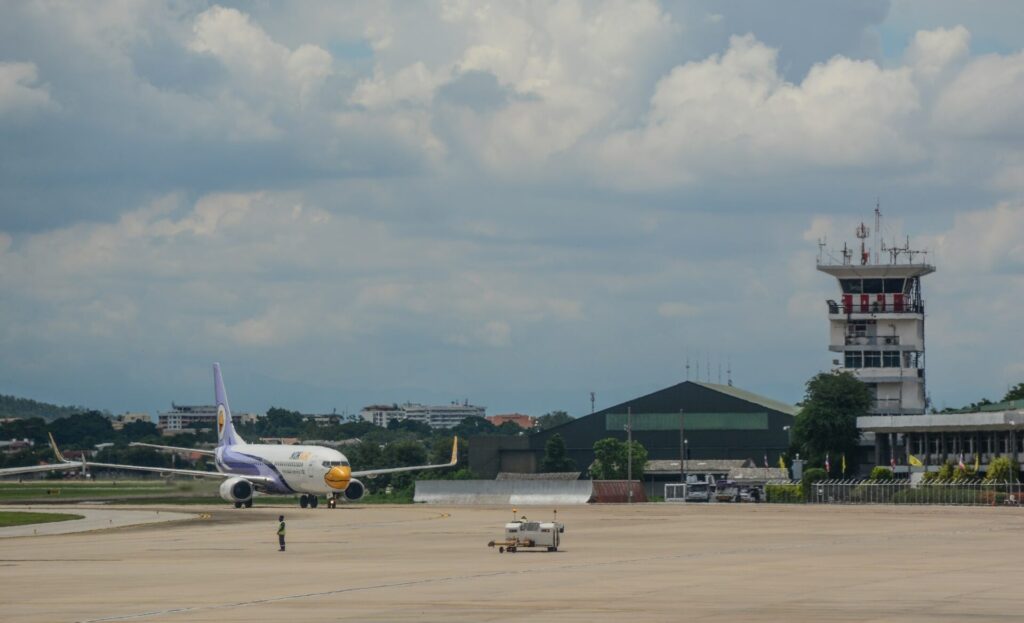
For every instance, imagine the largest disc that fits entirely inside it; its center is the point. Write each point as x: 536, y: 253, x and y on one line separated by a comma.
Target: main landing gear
x: 246, y: 504
x: 311, y: 501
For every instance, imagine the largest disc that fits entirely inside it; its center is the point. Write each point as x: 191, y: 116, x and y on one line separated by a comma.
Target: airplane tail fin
x: 226, y: 435
x: 56, y: 450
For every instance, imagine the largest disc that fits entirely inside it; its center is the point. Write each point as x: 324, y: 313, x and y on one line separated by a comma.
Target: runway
x: 653, y: 562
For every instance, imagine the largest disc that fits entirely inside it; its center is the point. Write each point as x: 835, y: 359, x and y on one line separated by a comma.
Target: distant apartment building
x: 434, y: 416
x: 526, y: 422
x: 189, y: 418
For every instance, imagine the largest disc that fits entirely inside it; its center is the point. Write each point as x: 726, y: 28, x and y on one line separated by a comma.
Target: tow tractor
x: 522, y: 533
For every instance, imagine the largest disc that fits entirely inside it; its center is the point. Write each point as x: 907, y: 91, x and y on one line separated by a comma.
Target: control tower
x: 876, y: 327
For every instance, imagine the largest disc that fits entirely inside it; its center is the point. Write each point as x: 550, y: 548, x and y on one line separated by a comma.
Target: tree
x: 827, y: 422
x: 555, y: 459
x: 553, y: 419
x: 1002, y: 469
x: 82, y: 430
x: 473, y: 425
x: 810, y: 477
x: 1016, y: 393
x: 611, y: 460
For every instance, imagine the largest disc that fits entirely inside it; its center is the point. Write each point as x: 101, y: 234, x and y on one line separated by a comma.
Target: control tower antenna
x: 878, y: 226
x: 863, y: 231
x: 728, y: 371
x: 687, y: 367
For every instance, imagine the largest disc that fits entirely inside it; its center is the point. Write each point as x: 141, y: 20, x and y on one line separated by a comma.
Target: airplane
x: 245, y: 468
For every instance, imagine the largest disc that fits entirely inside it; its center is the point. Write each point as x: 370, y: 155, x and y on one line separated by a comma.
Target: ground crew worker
x: 280, y: 532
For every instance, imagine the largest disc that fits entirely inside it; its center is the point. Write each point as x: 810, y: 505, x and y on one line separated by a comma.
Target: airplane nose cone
x: 338, y: 477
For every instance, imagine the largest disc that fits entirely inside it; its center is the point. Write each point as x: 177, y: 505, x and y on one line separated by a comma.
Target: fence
x: 946, y: 492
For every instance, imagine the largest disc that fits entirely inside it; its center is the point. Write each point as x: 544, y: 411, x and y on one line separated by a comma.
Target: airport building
x: 877, y: 332
x: 188, y: 418
x: 437, y: 416
x: 711, y: 421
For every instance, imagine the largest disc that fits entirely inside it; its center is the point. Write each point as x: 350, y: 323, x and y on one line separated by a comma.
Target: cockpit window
x: 335, y: 463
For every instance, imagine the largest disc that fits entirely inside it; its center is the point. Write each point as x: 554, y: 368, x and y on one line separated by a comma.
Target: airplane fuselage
x: 287, y: 469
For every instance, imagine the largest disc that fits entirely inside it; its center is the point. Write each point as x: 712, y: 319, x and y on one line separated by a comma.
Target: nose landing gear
x: 332, y: 502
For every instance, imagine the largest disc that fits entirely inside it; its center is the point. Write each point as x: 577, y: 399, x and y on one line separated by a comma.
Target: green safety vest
x: 280, y: 530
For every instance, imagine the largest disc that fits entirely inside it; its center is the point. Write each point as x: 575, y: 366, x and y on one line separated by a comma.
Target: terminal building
x: 711, y: 421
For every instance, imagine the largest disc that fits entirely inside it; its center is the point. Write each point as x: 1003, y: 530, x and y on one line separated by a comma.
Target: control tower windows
x: 873, y: 286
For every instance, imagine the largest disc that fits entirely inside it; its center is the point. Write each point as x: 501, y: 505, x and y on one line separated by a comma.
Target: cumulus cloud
x: 736, y: 111
x: 21, y: 92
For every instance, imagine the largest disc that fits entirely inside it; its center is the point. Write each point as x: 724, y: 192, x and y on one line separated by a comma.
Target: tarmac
x: 647, y: 562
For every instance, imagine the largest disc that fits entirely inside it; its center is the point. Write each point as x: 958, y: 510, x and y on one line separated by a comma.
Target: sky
x: 510, y: 203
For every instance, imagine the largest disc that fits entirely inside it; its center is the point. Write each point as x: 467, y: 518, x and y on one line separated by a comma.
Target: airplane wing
x: 393, y: 470
x: 29, y: 469
x: 173, y: 448
x: 256, y: 480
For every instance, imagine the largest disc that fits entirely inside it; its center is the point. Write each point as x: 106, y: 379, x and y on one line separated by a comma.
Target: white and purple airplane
x: 245, y: 468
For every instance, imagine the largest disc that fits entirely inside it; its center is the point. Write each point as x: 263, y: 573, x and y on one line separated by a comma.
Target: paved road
x: 93, y: 519
x: 706, y: 563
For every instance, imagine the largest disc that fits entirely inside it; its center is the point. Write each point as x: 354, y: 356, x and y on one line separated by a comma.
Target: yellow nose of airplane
x: 338, y: 477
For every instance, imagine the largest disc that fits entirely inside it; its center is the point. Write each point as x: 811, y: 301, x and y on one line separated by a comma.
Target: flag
x: 892, y: 460
x: 977, y: 462
x: 916, y: 462
x: 782, y: 463
x: 828, y: 466
x: 844, y: 463
x: 766, y: 461
x: 961, y: 465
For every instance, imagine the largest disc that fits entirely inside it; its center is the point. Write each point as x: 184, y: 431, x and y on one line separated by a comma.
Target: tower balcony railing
x: 872, y: 340
x: 874, y: 307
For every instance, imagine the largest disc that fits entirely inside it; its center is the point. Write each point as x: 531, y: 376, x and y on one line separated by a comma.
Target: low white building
x: 434, y: 416
x: 202, y: 417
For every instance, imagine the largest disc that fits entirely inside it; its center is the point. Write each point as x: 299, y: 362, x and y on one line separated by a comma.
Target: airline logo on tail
x: 220, y: 420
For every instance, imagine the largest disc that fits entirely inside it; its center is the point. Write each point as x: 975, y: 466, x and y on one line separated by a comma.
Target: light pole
x: 629, y: 454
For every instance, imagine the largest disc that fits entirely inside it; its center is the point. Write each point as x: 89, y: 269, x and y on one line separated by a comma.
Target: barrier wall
x: 504, y: 492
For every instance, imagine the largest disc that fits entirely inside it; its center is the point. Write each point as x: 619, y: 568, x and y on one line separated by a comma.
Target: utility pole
x: 629, y: 454
x: 682, y: 448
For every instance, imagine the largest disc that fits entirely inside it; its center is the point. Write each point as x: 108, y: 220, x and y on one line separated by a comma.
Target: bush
x: 1002, y: 469
x: 880, y: 473
x: 783, y: 494
x: 811, y: 476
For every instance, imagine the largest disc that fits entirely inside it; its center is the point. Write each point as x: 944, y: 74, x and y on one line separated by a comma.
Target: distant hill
x: 11, y: 406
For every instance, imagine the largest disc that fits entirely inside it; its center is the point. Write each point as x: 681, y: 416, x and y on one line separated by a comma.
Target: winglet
x: 56, y: 450
x: 455, y: 451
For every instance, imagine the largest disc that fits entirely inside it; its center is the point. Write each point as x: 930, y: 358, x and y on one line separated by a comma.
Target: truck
x: 521, y: 533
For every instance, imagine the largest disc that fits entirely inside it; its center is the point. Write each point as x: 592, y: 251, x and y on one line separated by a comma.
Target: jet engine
x: 236, y: 490
x: 355, y: 490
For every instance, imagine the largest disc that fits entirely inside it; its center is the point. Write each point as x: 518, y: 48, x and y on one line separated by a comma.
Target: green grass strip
x: 18, y: 518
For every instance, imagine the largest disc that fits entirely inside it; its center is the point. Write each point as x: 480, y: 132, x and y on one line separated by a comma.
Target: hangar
x: 719, y: 422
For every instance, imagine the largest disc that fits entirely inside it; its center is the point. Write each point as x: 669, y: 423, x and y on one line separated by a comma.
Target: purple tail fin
x: 226, y: 435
